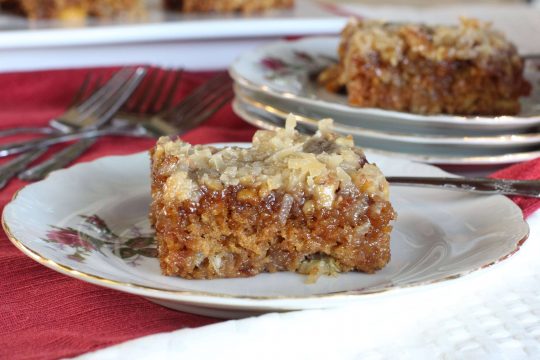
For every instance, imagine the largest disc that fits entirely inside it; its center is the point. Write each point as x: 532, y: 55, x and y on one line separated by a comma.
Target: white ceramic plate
x: 90, y: 222
x: 502, y: 142
x: 286, y: 69
x: 401, y: 147
x: 161, y: 38
x: 156, y: 24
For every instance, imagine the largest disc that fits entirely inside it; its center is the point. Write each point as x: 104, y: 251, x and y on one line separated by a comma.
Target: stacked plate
x: 280, y: 78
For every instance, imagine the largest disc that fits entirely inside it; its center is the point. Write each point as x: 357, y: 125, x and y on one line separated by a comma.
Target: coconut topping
x: 470, y: 40
x: 316, y: 167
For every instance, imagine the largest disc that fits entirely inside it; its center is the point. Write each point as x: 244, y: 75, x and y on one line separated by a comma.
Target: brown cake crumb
x: 290, y: 202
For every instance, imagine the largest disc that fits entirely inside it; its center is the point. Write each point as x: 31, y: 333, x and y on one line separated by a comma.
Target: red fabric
x: 529, y: 170
x: 45, y: 315
x: 339, y: 10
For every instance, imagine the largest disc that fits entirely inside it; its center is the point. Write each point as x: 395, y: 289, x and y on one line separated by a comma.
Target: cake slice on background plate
x: 469, y: 69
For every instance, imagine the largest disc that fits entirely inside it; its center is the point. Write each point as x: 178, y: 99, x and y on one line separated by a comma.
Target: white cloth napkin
x: 490, y: 314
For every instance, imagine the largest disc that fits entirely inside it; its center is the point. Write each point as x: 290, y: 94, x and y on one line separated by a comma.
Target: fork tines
x: 156, y: 93
x: 203, y: 102
x: 102, y: 103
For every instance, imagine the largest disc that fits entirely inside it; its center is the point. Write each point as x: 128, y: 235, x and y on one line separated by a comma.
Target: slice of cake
x: 469, y: 69
x: 71, y: 9
x: 81, y: 9
x: 290, y: 202
x: 244, y: 6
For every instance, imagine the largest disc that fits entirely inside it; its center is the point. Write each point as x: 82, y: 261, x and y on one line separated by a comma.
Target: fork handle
x: 27, y: 130
x: 10, y: 169
x: 19, y: 147
x: 57, y: 161
x: 529, y: 188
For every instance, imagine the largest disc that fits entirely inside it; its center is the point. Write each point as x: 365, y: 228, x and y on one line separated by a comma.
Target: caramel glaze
x: 244, y: 230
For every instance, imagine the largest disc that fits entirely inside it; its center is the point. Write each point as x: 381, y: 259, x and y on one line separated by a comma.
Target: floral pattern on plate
x: 298, y: 62
x: 98, y: 236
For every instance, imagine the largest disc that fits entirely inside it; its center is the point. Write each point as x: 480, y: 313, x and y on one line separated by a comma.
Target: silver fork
x: 90, y: 84
x: 146, y: 100
x: 206, y: 100
x: 12, y: 167
x: 93, y: 112
x: 74, y: 118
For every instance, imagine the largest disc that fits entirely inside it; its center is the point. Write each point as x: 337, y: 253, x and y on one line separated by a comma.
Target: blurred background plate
x: 426, y: 153
x: 156, y: 36
x: 258, y: 103
x: 287, y: 70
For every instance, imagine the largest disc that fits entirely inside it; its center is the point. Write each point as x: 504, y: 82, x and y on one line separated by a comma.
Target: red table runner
x: 46, y: 315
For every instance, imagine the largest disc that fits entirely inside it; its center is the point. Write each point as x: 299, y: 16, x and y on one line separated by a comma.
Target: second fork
x: 147, y: 99
x: 202, y: 103
x: 97, y: 108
